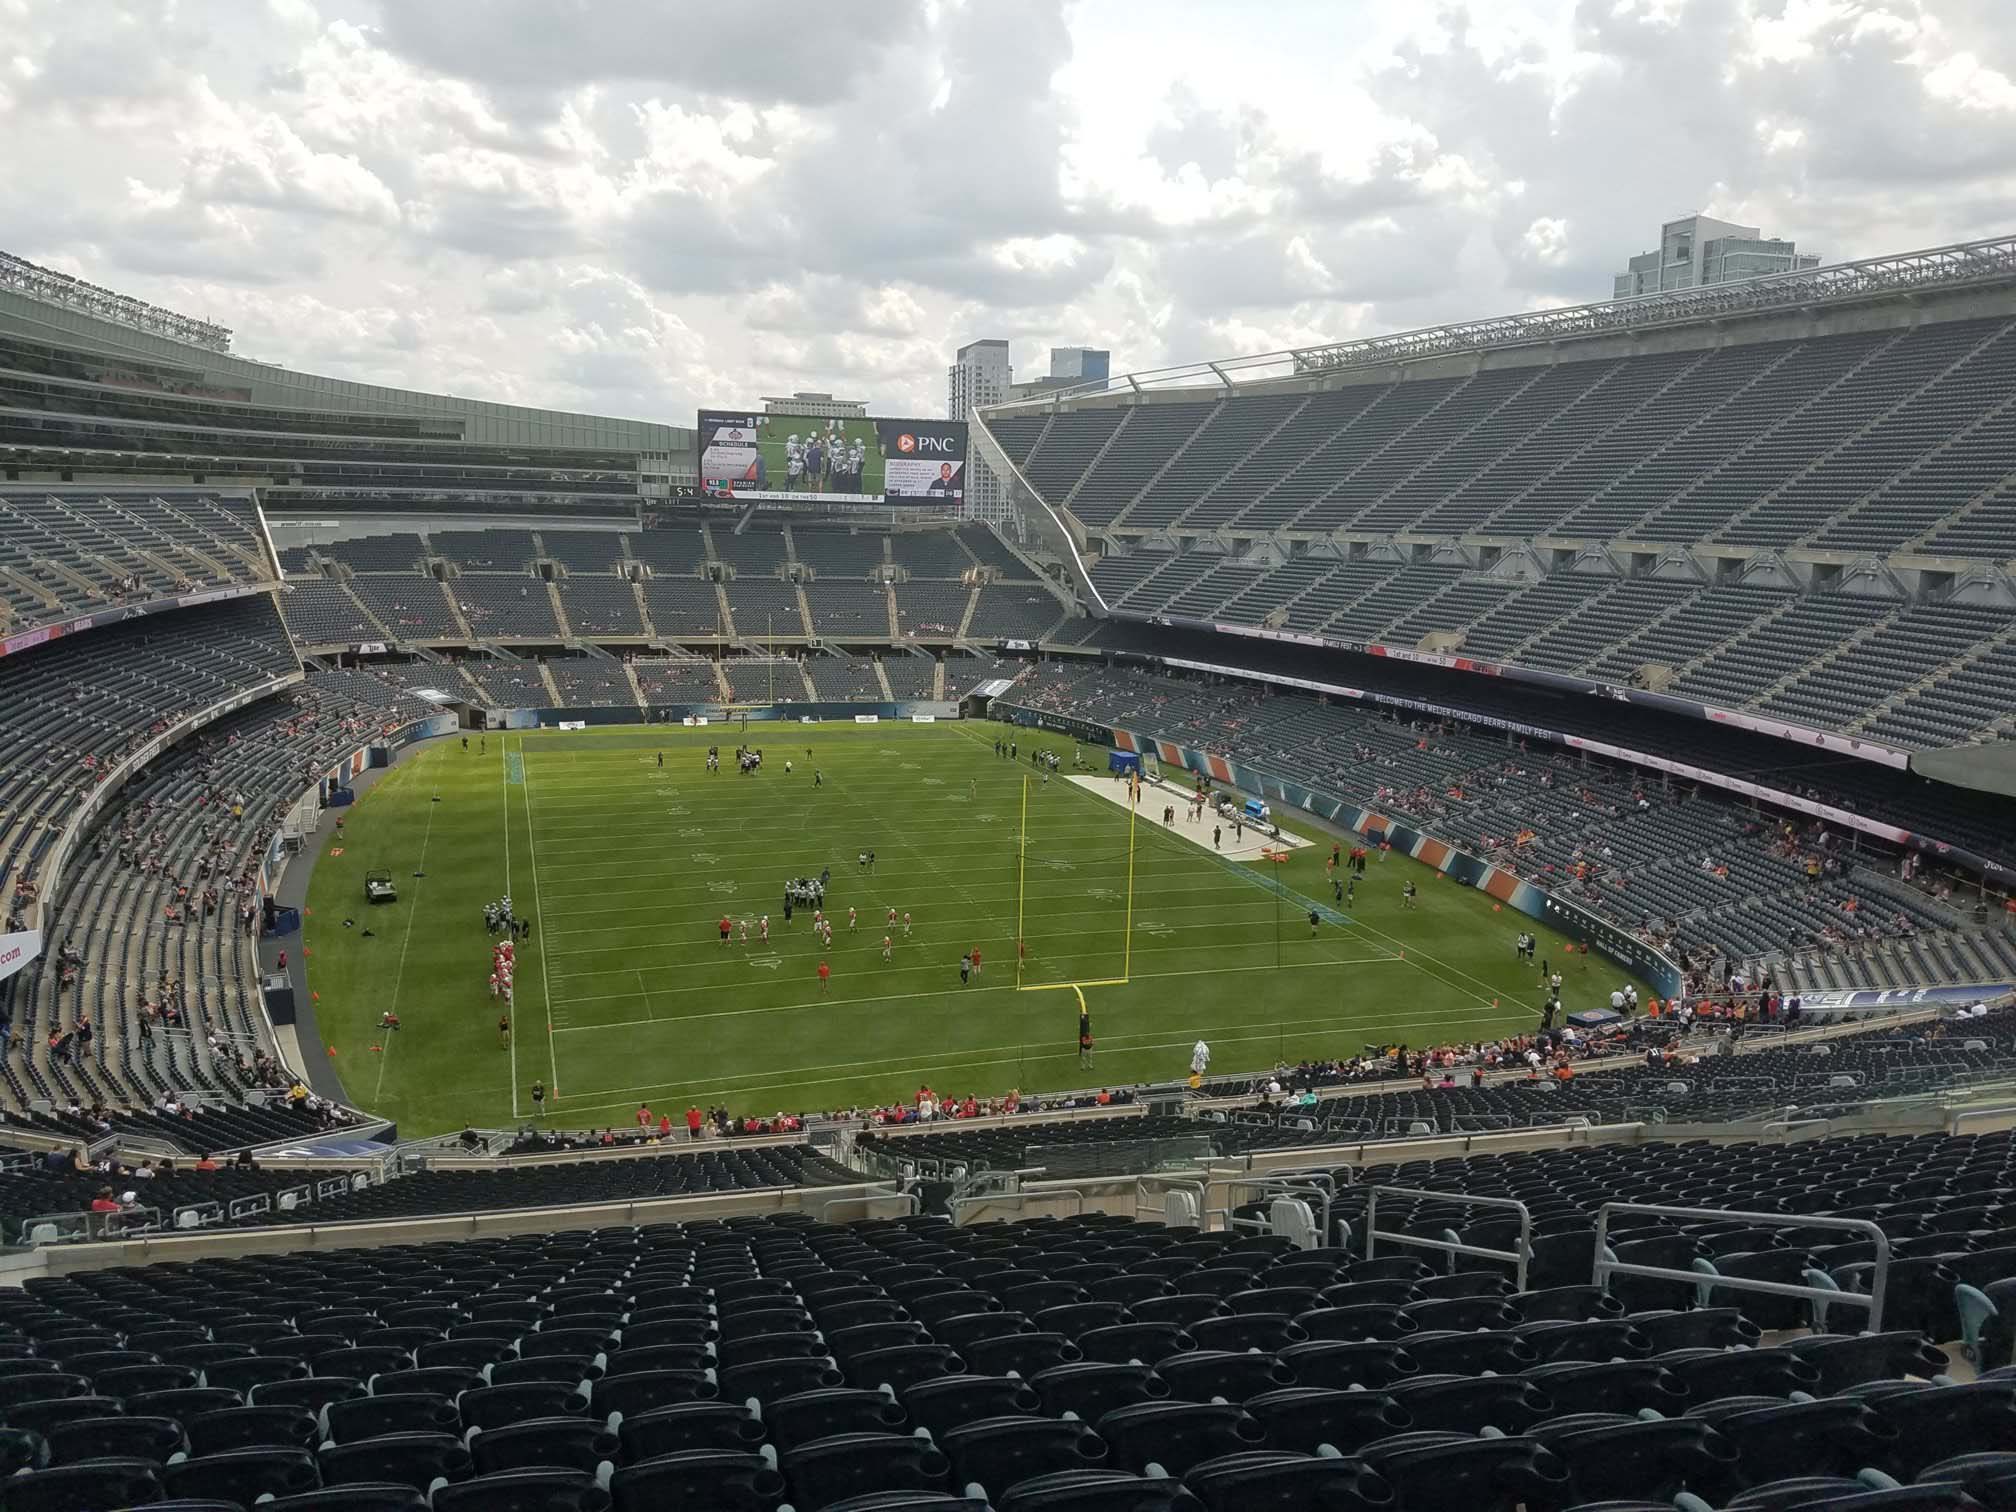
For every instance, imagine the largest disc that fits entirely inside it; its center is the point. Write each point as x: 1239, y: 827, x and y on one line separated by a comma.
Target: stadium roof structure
x: 122, y: 309
x: 1984, y: 263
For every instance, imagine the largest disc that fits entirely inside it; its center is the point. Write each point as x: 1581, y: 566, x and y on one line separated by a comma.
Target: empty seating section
x: 408, y: 605
x: 1067, y: 447
x: 763, y: 679
x: 846, y: 679
x: 1336, y: 592
x: 394, y: 551
x: 1982, y: 530
x: 1390, y: 439
x: 1927, y: 389
x: 1724, y: 407
x: 1116, y: 575
x: 758, y: 551
x: 930, y: 553
x: 320, y: 612
x: 66, y: 551
x: 1980, y: 694
x: 589, y: 551
x: 1015, y: 611
x: 1807, y: 628
x: 991, y: 551
x: 1863, y: 439
x: 493, y: 550
x: 1140, y: 448
x: 839, y: 553
x: 1455, y: 606
x: 1687, y: 630
x: 858, y: 611
x: 1637, y: 404
x: 1369, y: 614
x: 1698, y: 874
x: 676, y: 552
x: 591, y: 682
x: 1018, y: 435
x: 764, y: 607
x: 597, y: 605
x: 1802, y: 408
x: 1223, y: 578
x: 1274, y: 588
x: 1903, y: 651
x: 910, y: 676
x: 1227, y: 435
x: 1518, y: 616
x: 1466, y: 432
x: 934, y: 609
x: 505, y: 605
x: 677, y: 680
x: 507, y: 684
x: 683, y: 606
x: 1607, y: 616
x: 1270, y: 487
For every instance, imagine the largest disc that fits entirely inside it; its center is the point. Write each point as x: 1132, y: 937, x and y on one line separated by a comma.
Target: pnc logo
x: 907, y: 443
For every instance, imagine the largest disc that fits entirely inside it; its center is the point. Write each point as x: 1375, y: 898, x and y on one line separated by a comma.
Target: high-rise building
x: 1070, y: 368
x: 1086, y: 364
x: 979, y: 375
x: 1699, y: 250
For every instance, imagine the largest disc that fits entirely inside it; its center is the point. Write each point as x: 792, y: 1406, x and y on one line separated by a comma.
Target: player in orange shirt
x: 825, y: 971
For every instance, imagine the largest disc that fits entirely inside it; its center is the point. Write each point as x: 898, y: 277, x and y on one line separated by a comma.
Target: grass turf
x: 625, y: 995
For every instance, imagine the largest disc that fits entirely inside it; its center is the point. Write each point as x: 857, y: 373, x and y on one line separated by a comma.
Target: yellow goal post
x: 1021, y: 890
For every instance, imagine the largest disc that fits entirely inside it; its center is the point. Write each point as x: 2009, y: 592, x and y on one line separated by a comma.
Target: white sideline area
x: 1157, y: 795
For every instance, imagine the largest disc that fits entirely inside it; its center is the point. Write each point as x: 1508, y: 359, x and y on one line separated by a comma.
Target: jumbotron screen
x: 814, y: 459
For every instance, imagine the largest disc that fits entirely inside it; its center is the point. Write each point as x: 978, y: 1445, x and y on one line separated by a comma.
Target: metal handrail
x: 1519, y: 1257
x: 1197, y: 1186
x: 958, y: 1205
x: 1317, y: 1188
x: 1606, y: 1266
x: 862, y: 1194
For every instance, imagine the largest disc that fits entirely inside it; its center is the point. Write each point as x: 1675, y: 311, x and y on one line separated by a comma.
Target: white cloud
x: 638, y: 213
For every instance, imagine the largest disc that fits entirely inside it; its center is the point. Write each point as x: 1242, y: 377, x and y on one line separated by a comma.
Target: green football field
x: 625, y: 994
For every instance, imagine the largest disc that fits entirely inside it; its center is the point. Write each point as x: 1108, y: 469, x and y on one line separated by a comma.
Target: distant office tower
x: 979, y: 375
x: 1698, y: 251
x: 1086, y: 364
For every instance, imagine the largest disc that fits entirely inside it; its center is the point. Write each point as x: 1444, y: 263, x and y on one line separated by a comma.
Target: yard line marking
x: 897, y: 997
x: 504, y: 791
x: 545, y: 980
x: 913, y: 942
x: 385, y: 1036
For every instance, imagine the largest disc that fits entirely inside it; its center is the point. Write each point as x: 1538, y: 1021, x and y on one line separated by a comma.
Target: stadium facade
x: 98, y: 386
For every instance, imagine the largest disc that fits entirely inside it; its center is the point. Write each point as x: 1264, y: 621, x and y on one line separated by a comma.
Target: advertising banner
x: 17, y: 950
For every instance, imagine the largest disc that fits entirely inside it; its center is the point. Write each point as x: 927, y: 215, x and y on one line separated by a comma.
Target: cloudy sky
x: 639, y: 206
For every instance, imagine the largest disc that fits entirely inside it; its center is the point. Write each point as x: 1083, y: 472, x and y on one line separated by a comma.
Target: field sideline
x: 625, y: 993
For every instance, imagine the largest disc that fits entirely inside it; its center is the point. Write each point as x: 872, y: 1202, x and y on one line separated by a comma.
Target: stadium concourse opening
x: 661, y: 965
